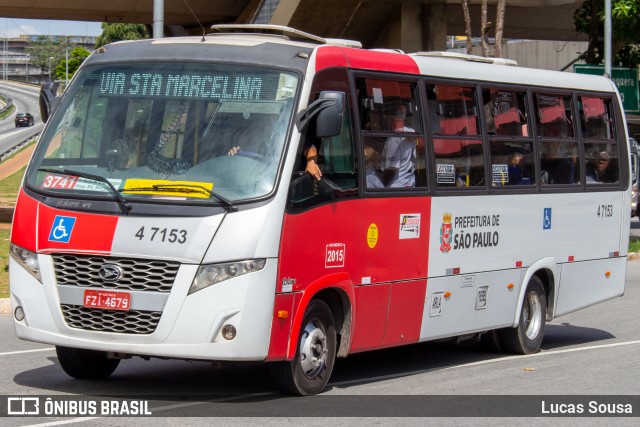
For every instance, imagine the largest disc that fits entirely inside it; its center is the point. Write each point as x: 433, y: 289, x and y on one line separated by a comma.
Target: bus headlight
x: 211, y: 274
x: 27, y: 259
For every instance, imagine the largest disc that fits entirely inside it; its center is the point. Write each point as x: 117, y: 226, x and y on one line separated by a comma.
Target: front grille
x: 137, y: 274
x: 124, y: 322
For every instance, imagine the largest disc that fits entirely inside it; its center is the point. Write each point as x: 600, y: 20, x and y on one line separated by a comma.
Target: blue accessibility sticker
x: 546, y: 219
x: 61, y: 229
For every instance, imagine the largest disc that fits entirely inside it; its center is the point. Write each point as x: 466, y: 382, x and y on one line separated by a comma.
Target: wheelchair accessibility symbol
x: 61, y: 229
x: 546, y: 219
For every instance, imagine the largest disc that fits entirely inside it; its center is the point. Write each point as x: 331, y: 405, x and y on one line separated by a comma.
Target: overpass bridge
x: 408, y: 25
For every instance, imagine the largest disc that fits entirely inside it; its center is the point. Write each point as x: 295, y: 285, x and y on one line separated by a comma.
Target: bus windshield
x: 178, y: 132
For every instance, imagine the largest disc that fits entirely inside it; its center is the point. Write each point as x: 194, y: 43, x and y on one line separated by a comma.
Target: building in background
x: 15, y: 62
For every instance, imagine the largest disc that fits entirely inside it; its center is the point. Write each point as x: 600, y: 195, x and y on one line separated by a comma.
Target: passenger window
x: 554, y: 118
x: 459, y: 162
x: 601, y: 149
x: 602, y: 163
x: 596, y: 118
x: 452, y: 110
x: 512, y: 163
x: 505, y: 112
x: 560, y: 162
x: 393, y: 150
x: 457, y: 144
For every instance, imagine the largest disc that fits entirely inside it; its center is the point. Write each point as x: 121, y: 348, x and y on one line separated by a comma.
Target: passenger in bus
x: 399, y: 153
x: 597, y: 169
x: 517, y: 171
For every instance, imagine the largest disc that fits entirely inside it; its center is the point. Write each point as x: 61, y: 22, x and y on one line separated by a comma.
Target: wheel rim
x: 532, y: 316
x: 313, y: 349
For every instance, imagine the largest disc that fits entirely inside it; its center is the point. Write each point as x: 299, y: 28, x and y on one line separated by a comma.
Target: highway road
x: 25, y: 99
x: 593, y: 353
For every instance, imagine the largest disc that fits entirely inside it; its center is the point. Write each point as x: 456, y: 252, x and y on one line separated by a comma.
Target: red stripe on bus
x: 23, y: 228
x: 91, y: 233
x: 334, y: 56
x: 280, y: 327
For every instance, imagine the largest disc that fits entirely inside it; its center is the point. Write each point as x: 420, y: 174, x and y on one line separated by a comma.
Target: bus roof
x: 289, y: 43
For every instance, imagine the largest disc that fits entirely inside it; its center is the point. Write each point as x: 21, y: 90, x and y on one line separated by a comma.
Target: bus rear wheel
x: 309, y: 371
x: 526, y: 338
x: 86, y: 364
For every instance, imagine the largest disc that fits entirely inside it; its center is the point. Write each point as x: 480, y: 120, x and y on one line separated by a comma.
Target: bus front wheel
x: 309, y: 371
x: 526, y: 338
x: 86, y: 364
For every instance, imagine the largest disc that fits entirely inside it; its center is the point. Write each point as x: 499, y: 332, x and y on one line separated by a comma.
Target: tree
x: 467, y: 24
x: 120, y: 31
x: 484, y: 29
x: 625, y: 30
x: 500, y: 9
x: 485, y: 26
x: 45, y: 53
x: 76, y: 58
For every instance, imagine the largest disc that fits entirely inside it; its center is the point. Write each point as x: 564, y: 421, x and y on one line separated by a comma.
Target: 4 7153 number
x: 157, y: 234
x: 605, y: 211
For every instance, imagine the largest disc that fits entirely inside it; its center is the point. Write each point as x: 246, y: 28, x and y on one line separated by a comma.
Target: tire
x: 310, y: 369
x: 526, y: 338
x: 86, y: 364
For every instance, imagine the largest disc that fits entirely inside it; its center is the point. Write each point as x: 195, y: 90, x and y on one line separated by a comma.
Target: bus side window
x: 457, y: 143
x: 601, y: 148
x: 559, y: 149
x: 336, y: 156
x: 512, y: 161
x: 393, y: 148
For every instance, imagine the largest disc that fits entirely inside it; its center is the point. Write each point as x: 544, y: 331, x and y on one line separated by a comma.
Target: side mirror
x: 329, y: 122
x: 48, y: 101
x: 329, y: 109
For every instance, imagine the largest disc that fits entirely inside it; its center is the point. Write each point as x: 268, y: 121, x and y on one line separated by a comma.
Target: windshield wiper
x: 122, y: 202
x: 186, y: 188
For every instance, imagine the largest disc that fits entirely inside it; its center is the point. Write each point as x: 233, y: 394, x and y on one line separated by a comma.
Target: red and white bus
x: 166, y: 210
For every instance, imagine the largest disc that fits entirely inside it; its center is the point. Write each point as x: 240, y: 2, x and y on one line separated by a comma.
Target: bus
x: 263, y: 194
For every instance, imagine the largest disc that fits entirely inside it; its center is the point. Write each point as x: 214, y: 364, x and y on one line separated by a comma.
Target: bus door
x: 376, y: 245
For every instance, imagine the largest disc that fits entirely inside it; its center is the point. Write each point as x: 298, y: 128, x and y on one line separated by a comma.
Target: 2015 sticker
x: 335, y: 255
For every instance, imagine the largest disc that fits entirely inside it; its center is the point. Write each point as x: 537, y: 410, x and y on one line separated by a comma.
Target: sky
x: 15, y: 27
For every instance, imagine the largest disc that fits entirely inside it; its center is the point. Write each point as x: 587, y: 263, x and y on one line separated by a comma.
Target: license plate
x: 109, y: 300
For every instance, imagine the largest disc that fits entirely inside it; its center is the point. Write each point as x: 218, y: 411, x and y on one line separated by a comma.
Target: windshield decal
x: 62, y: 182
x: 158, y: 187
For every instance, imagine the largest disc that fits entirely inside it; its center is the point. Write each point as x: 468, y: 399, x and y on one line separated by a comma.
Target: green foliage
x: 634, y: 244
x: 4, y: 261
x: 119, y: 31
x: 9, y: 188
x: 45, y: 53
x: 76, y: 58
x: 625, y: 30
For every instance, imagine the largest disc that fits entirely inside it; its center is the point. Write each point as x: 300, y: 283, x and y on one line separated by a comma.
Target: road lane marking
x: 9, y: 353
x: 546, y: 353
x: 483, y: 362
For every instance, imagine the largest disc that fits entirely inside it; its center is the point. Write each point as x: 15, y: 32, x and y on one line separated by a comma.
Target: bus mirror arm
x: 48, y: 100
x: 330, y: 111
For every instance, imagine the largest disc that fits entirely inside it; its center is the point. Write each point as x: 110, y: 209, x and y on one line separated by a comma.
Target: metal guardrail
x: 17, y: 147
x: 8, y: 102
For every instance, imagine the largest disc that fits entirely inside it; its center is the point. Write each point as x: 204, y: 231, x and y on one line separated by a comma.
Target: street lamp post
x: 49, y: 67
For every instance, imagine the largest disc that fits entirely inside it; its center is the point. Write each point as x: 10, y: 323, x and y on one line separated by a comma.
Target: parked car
x: 24, y: 119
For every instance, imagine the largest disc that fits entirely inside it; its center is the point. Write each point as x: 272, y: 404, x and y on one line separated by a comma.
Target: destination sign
x: 189, y: 85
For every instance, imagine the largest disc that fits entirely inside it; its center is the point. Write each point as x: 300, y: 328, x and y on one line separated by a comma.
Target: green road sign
x: 626, y: 79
